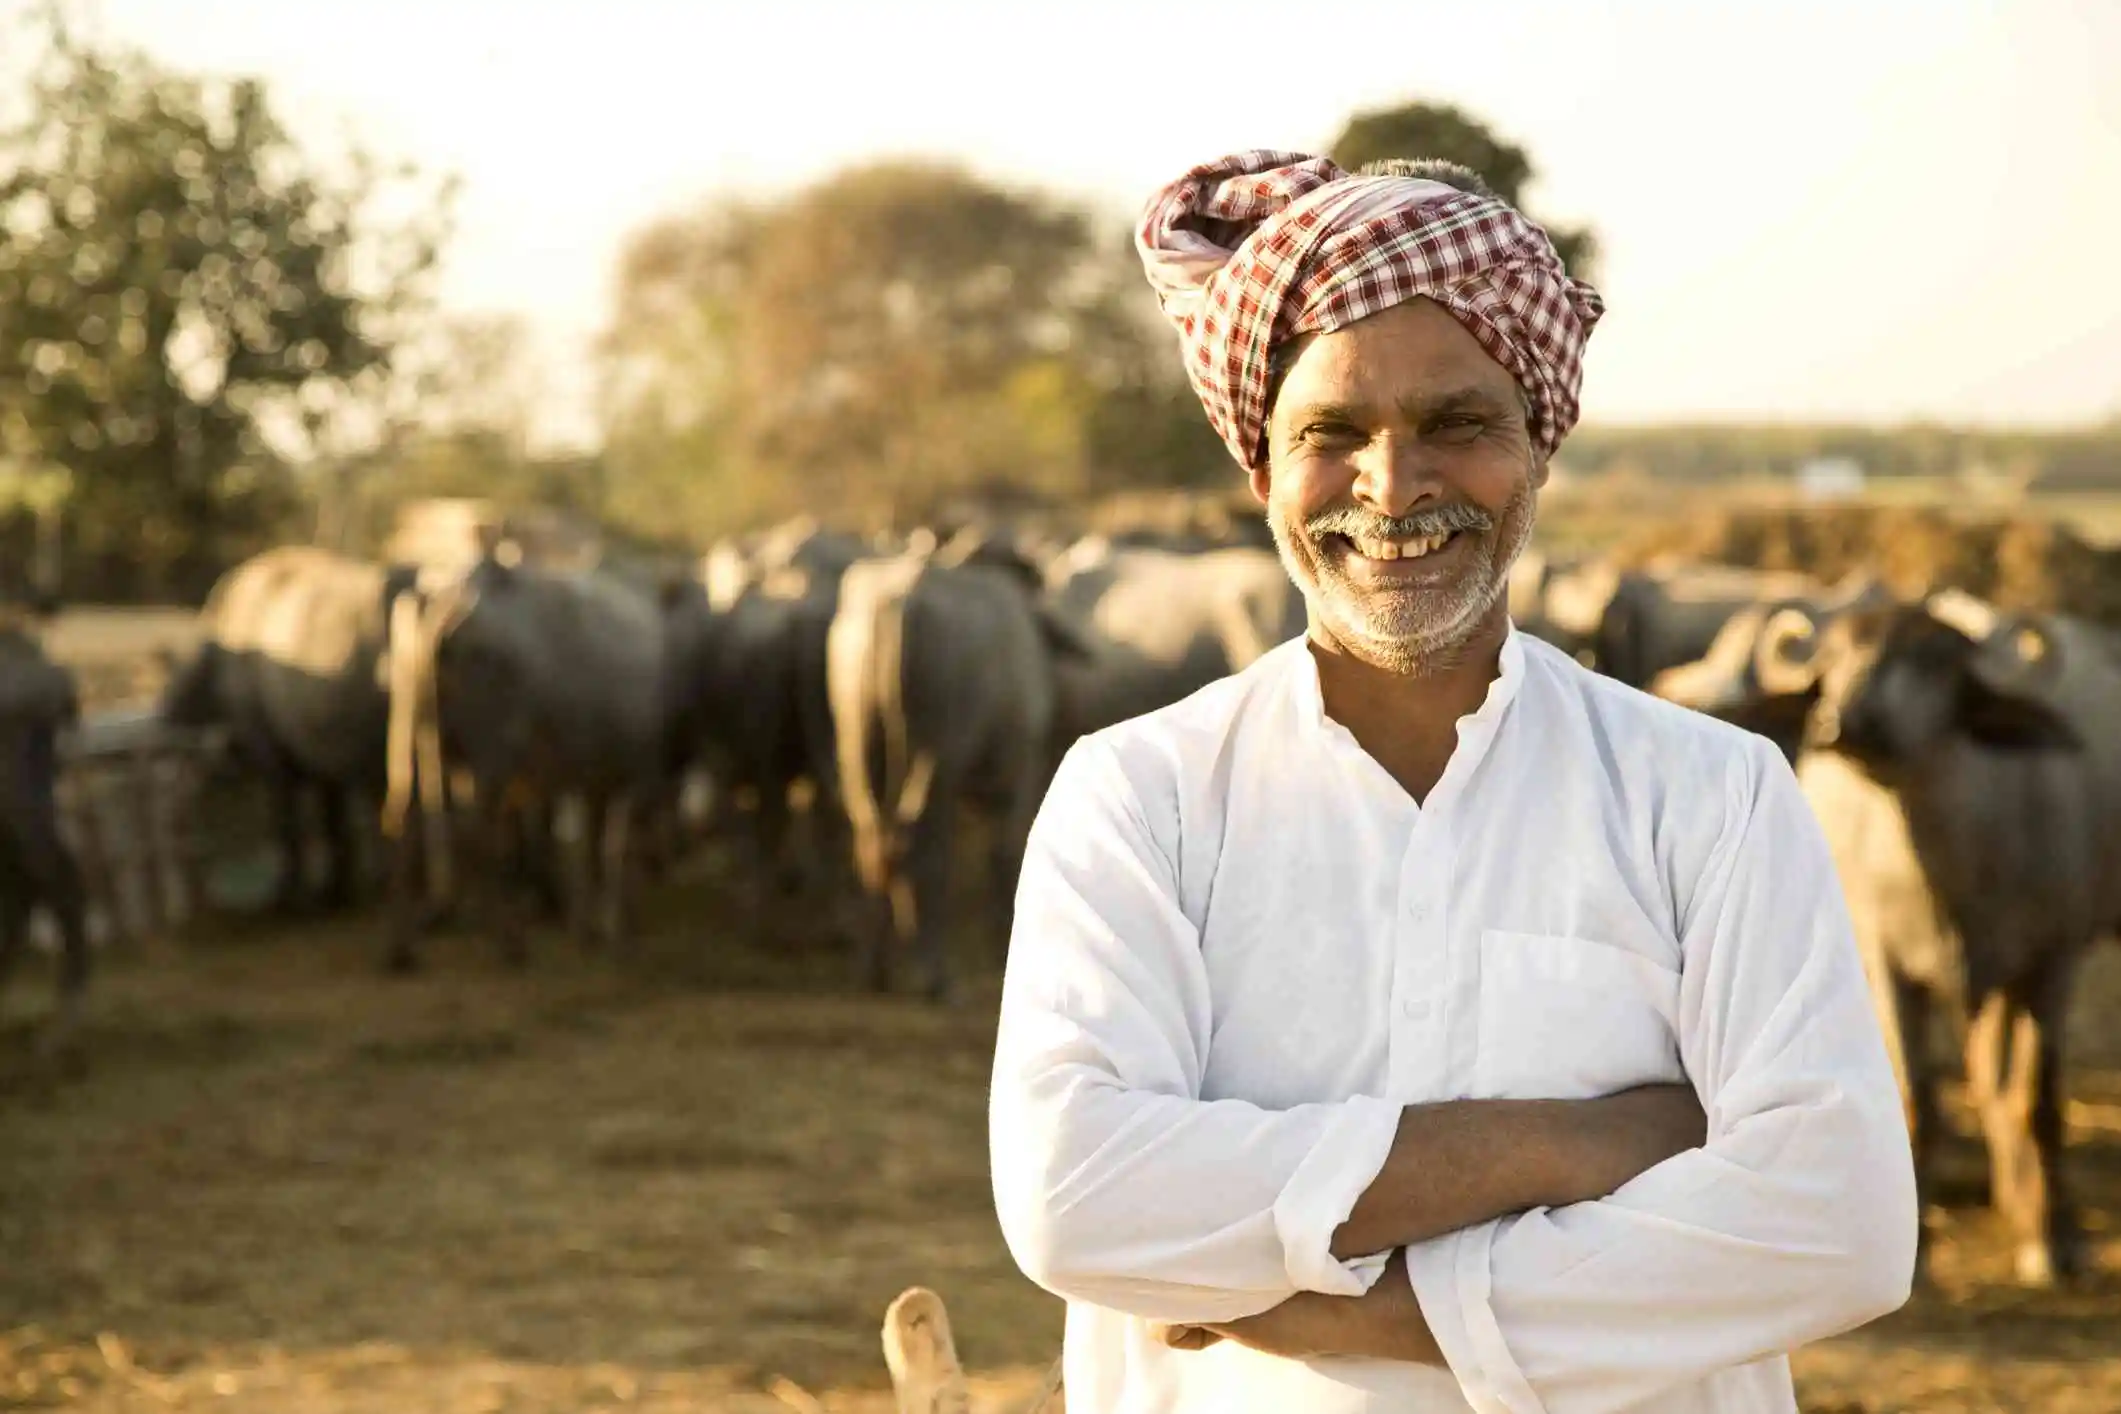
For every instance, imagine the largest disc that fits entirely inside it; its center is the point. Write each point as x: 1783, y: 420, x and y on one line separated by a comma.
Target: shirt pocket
x: 1565, y: 1018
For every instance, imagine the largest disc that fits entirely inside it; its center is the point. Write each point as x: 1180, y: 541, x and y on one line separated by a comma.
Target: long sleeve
x: 1797, y: 1219
x: 1114, y: 1182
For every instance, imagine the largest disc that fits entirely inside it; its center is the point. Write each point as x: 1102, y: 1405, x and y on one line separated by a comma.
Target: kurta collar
x: 1509, y: 679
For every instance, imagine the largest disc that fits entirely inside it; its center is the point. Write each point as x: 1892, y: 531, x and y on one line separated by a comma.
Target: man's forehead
x: 1420, y: 358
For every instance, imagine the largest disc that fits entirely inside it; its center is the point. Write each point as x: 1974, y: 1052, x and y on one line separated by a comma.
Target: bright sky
x: 1857, y: 209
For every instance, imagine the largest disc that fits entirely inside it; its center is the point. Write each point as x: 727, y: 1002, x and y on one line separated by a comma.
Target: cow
x: 290, y: 667
x: 540, y: 686
x: 1161, y: 624
x: 38, y: 700
x: 941, y: 683
x: 1965, y: 826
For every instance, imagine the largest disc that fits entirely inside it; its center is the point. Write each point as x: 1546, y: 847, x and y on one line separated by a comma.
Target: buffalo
x: 1160, y: 624
x: 941, y: 681
x: 38, y: 699
x: 291, y: 669
x: 1967, y: 831
x: 539, y: 686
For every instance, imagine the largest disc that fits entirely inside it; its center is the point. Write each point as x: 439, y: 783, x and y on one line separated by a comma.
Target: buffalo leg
x: 1005, y: 861
x: 877, y: 915
x: 501, y: 836
x: 616, y: 846
x: 66, y: 895
x: 2006, y: 1053
x: 409, y: 887
x: 788, y: 832
x: 1909, y: 1032
x: 585, y: 852
x: 54, y: 878
x: 883, y: 905
x: 14, y: 925
x: 2047, y: 1020
x: 341, y: 884
x: 293, y: 882
x: 927, y: 873
x: 544, y: 867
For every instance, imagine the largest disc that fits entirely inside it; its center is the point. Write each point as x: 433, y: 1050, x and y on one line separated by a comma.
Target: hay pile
x: 2021, y: 563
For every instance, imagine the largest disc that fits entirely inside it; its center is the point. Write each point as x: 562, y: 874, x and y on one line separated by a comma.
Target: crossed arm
x: 1552, y: 1248
x: 1453, y: 1165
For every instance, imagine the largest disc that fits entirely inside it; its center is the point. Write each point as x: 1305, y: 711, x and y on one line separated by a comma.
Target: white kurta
x: 1240, y: 948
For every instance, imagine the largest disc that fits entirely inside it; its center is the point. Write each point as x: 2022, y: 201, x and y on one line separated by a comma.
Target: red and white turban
x: 1253, y: 249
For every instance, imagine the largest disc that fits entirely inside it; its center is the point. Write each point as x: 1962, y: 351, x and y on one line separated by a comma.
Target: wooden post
x: 925, y: 1374
x: 926, y: 1377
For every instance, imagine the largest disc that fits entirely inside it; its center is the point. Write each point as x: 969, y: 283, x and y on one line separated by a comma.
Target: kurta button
x: 1413, y: 1009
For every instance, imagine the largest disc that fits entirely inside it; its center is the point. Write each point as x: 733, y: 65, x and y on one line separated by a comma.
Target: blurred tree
x: 466, y: 390
x: 478, y: 375
x: 892, y: 337
x: 1444, y: 130
x: 188, y: 300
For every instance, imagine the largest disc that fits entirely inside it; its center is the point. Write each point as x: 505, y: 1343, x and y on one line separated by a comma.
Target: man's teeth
x: 1400, y: 549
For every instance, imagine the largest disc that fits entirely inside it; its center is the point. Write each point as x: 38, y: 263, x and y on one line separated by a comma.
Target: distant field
x: 95, y: 635
x: 2095, y: 515
x: 1588, y: 516
x: 114, y: 652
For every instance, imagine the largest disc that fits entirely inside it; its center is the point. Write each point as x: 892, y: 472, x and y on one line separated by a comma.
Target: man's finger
x: 1184, y: 1337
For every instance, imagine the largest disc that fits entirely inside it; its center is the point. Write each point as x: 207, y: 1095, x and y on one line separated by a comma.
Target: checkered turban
x: 1253, y: 249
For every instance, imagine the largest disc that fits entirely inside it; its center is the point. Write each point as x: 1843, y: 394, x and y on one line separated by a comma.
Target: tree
x: 473, y: 387
x: 188, y: 301
x: 1443, y: 130
x: 896, y: 335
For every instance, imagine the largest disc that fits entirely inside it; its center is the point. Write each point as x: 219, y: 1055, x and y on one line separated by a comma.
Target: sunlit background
x: 700, y: 303
x: 1826, y: 212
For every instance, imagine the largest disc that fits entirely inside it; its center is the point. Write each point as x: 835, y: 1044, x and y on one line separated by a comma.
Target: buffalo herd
x: 848, y: 700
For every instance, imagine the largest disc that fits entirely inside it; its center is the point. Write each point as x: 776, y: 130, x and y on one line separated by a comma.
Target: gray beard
x: 1411, y: 634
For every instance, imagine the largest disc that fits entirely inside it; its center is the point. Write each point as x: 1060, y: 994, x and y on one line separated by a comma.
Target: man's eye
x: 1458, y: 429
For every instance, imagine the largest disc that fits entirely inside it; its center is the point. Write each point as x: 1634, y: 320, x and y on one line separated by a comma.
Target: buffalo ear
x: 2012, y: 721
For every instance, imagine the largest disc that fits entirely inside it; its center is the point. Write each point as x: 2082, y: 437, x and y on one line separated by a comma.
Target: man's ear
x: 1262, y: 480
x: 1539, y: 471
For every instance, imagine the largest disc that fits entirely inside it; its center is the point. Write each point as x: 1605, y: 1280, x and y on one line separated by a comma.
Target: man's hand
x: 1384, y: 1324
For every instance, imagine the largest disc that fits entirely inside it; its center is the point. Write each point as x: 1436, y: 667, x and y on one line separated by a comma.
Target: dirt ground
x: 691, y: 1178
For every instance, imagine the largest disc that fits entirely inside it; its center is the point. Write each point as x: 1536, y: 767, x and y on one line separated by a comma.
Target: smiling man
x: 1415, y: 1021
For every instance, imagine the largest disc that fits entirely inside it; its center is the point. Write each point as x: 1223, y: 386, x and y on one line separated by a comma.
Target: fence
x: 128, y: 786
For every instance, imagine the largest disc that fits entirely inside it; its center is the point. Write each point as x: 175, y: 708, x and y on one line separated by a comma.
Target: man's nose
x: 1393, y: 476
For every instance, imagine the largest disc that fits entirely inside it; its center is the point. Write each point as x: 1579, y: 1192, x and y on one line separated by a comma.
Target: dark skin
x: 1392, y: 415
x: 1397, y: 413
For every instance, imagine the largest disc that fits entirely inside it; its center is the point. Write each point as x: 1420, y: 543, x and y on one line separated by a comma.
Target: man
x: 1416, y: 1021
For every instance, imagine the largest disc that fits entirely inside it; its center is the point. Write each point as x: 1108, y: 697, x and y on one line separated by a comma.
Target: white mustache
x: 1363, y: 525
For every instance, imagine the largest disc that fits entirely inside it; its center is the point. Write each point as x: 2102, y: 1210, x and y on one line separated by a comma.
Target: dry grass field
x: 664, y: 1182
